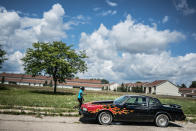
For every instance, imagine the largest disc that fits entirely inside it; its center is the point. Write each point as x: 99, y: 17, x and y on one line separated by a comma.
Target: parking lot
x: 32, y: 123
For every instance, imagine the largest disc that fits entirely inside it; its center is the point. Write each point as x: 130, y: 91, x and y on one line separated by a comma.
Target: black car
x: 133, y: 108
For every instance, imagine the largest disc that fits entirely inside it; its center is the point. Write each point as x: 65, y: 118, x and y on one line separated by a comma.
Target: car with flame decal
x: 133, y: 108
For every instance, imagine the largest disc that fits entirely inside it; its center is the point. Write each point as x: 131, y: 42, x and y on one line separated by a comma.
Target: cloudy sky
x: 126, y: 41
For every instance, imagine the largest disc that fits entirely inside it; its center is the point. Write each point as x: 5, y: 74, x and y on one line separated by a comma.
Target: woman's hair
x: 82, y: 88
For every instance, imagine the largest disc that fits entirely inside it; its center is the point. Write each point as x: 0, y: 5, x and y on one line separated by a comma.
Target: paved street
x: 31, y: 123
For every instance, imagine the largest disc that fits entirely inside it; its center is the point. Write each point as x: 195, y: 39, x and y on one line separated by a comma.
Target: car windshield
x: 120, y: 100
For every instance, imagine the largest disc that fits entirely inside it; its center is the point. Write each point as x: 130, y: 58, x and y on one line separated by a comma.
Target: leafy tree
x: 137, y: 89
x: 55, y: 59
x: 3, y: 80
x: 50, y: 83
x: 2, y: 56
x: 122, y: 88
x: 104, y: 81
x: 45, y: 83
x: 193, y: 85
x: 183, y: 86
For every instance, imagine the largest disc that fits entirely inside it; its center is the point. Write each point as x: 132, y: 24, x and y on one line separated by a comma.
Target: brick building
x: 23, y: 79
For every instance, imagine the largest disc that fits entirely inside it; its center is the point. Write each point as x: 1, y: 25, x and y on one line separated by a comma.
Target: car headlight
x: 84, y: 109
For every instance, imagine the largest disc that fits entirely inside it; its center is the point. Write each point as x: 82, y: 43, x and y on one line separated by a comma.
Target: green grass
x: 188, y: 106
x: 11, y: 96
x: 44, y: 97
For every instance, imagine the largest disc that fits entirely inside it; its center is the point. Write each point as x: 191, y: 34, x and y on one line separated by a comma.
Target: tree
x: 137, y: 89
x: 122, y: 88
x: 183, y: 86
x: 104, y: 81
x: 193, y: 85
x: 2, y: 56
x: 3, y: 80
x: 55, y: 59
x: 45, y: 83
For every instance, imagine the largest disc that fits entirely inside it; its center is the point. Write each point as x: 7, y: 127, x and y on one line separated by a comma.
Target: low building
x: 113, y: 86
x: 188, y: 92
x: 23, y: 79
x: 161, y: 87
x: 137, y: 84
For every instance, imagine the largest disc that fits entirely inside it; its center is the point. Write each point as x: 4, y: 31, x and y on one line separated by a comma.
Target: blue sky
x: 125, y: 40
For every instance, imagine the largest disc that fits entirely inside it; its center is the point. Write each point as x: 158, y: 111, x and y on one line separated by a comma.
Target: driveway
x: 32, y: 123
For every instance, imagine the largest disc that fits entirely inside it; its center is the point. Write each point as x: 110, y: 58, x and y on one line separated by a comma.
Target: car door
x: 138, y: 109
x: 154, y: 107
x: 141, y: 109
x: 130, y: 105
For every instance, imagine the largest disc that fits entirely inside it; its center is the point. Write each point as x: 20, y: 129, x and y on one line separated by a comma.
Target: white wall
x: 64, y: 86
x: 6, y: 82
x: 22, y: 83
x: 93, y: 88
x: 113, y: 86
x: 167, y: 88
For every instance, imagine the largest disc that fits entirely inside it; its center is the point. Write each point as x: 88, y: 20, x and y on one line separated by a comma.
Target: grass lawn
x: 65, y: 99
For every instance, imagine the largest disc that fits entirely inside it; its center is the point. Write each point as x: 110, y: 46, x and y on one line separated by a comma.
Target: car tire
x: 105, y: 118
x: 162, y: 120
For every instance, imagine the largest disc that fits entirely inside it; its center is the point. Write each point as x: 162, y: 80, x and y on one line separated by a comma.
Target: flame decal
x: 115, y: 110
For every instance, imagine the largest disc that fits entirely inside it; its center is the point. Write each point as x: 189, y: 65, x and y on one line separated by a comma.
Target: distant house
x: 23, y: 79
x: 137, y: 84
x: 113, y: 86
x: 188, y: 92
x: 161, y: 87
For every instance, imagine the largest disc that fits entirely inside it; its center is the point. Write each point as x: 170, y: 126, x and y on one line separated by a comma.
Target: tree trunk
x: 55, y: 78
x: 55, y: 83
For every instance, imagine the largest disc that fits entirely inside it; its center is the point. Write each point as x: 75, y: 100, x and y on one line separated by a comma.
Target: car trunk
x: 172, y: 105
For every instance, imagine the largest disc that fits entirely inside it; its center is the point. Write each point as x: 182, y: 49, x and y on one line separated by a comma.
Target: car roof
x: 139, y: 96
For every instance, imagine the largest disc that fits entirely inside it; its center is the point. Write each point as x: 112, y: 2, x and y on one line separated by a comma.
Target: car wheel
x: 162, y: 120
x: 105, y: 118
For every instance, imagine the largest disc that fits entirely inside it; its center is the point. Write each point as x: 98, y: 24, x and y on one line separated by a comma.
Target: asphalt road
x: 32, y: 123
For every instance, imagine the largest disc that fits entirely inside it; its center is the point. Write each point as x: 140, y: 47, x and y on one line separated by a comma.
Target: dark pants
x: 80, y: 102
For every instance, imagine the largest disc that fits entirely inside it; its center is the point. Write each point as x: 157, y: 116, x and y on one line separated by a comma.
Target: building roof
x: 186, y: 89
x: 155, y: 83
x: 84, y: 81
x: 137, y: 84
x: 83, y: 84
x: 23, y: 78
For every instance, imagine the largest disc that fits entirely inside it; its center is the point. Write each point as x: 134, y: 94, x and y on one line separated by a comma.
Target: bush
x: 123, y: 88
x: 137, y: 90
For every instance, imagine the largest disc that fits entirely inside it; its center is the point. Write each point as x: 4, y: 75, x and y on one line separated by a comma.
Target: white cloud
x: 182, y: 5
x: 194, y: 35
x: 165, y: 19
x: 137, y: 37
x: 14, y: 63
x: 110, y: 3
x: 133, y: 51
x: 108, y: 12
x: 18, y: 33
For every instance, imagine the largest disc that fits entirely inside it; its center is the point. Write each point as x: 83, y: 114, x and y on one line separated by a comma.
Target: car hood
x: 106, y: 102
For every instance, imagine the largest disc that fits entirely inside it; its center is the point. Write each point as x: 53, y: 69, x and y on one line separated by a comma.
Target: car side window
x: 153, y: 102
x: 131, y: 101
x: 136, y: 101
x: 141, y: 101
